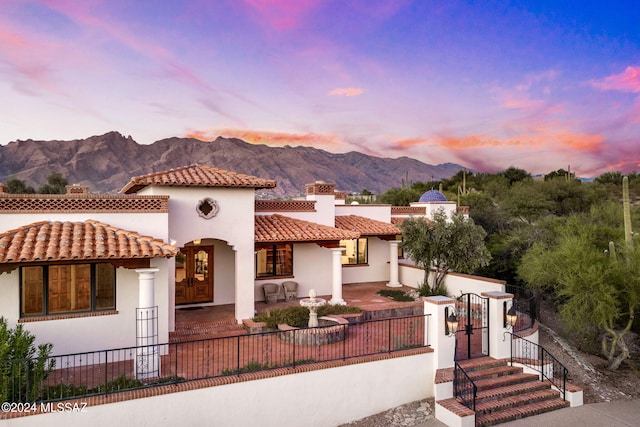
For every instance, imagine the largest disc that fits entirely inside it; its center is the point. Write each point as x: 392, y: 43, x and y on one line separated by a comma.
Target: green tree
x: 526, y: 201
x: 448, y: 244
x: 614, y: 178
x: 514, y: 175
x: 596, y: 289
x: 56, y: 184
x: 399, y: 196
x: 22, y: 372
x: 18, y: 186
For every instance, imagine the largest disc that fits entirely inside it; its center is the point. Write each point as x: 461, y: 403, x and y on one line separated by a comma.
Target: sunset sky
x: 486, y: 84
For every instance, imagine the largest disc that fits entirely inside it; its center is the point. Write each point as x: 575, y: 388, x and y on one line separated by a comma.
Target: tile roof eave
x: 279, y: 228
x: 46, y: 242
x: 197, y: 176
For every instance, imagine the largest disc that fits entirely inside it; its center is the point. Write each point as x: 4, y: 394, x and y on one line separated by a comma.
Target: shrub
x: 22, y: 374
x: 298, y: 317
x: 395, y: 294
x: 293, y: 316
x: 425, y: 290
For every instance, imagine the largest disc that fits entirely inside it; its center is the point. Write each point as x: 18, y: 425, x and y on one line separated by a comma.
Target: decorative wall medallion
x: 207, y: 208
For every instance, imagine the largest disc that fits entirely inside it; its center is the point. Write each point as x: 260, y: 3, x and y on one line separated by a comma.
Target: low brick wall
x: 401, y: 310
x: 322, y: 335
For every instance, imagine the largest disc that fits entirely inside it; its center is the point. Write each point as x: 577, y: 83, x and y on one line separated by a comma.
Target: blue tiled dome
x: 432, y: 196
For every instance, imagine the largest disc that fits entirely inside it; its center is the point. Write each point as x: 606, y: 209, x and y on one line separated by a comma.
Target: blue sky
x: 486, y: 84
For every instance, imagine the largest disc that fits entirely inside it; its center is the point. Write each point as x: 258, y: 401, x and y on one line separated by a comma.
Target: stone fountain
x: 313, y: 303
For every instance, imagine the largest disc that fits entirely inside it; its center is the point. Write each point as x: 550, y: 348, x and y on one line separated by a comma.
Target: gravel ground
x: 408, y: 415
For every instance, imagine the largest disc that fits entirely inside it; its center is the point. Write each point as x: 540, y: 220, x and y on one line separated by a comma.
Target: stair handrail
x: 558, y: 372
x: 464, y: 387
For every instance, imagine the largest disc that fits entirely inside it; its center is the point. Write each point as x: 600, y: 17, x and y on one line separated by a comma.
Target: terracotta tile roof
x: 366, y: 226
x: 197, y: 176
x: 88, y: 240
x: 280, y: 228
x: 398, y: 220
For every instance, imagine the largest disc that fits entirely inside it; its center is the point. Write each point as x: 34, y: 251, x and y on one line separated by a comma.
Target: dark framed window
x: 274, y: 259
x: 355, y: 251
x: 67, y: 288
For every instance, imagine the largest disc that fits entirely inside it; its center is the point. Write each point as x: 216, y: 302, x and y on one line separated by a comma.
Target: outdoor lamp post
x: 510, y: 316
x: 451, y: 322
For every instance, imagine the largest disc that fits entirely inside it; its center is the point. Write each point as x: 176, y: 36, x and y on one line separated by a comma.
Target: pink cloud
x: 30, y: 59
x: 346, y: 91
x: 274, y: 139
x: 627, y: 81
x: 282, y: 14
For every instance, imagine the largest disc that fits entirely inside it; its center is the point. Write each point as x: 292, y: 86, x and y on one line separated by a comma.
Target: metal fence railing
x: 464, y: 389
x: 538, y: 358
x: 106, y: 371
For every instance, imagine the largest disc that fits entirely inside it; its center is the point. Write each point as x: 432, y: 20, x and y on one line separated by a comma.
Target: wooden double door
x: 194, y: 275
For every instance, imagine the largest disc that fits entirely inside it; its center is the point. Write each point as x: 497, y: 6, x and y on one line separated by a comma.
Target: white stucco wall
x: 233, y: 224
x: 378, y: 268
x: 223, y: 275
x: 320, y: 398
x: 377, y: 212
x: 92, y: 333
x: 410, y: 275
x: 325, y: 209
x: 311, y: 269
x: 432, y: 207
x: 456, y: 283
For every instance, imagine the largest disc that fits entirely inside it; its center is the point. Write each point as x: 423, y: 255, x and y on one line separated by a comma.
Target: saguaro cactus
x: 626, y: 206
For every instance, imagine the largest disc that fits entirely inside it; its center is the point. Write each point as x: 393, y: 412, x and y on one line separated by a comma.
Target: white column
x: 245, y: 282
x: 146, y: 292
x: 442, y: 344
x: 393, y: 264
x: 499, y: 342
x: 147, y: 364
x: 336, y: 277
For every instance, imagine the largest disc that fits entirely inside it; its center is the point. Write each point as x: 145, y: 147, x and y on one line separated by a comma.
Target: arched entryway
x: 205, y: 273
x: 194, y: 273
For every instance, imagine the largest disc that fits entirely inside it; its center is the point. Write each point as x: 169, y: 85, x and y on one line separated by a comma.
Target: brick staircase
x: 191, y: 331
x: 505, y: 393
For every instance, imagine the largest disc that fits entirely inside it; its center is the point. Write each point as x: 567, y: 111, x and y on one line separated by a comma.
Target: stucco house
x: 77, y: 269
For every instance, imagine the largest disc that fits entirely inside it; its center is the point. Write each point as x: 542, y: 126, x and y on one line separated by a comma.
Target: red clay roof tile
x: 88, y: 240
x: 197, y: 176
x: 366, y: 226
x: 280, y: 228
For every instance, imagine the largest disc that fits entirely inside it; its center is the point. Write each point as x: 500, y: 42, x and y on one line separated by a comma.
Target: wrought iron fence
x: 107, y: 371
x: 524, y: 302
x: 538, y: 358
x: 464, y: 389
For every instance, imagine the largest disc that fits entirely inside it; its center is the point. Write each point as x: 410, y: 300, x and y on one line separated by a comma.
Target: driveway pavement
x: 619, y: 413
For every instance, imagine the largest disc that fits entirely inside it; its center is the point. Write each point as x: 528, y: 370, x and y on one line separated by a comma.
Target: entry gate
x: 472, y: 337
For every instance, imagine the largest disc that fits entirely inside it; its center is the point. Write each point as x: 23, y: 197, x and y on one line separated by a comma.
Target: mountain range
x: 106, y: 163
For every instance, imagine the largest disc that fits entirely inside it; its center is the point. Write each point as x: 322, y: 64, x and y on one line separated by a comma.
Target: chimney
x: 321, y: 188
x: 3, y: 188
x: 77, y: 190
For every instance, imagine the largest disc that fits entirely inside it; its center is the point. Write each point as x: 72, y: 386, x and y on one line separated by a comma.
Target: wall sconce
x: 509, y: 316
x: 450, y: 321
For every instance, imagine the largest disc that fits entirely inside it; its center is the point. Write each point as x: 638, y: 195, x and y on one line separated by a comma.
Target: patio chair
x: 271, y: 292
x: 290, y: 290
